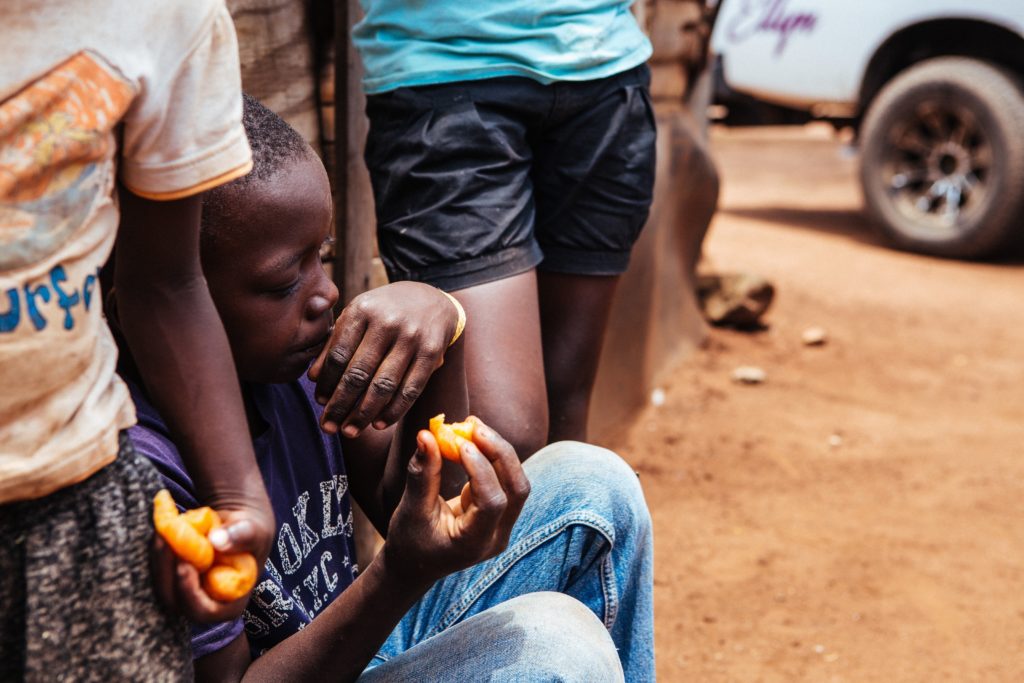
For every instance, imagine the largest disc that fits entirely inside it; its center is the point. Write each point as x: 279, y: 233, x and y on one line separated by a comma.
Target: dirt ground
x: 859, y: 516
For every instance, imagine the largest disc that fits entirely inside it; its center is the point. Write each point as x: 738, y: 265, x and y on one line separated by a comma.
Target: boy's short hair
x: 273, y: 143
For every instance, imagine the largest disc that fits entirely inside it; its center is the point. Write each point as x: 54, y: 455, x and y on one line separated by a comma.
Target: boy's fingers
x: 380, y: 391
x: 488, y: 498
x: 412, y: 387
x: 503, y: 458
x: 423, y: 476
x: 194, y: 601
x: 330, y: 365
x: 354, y: 381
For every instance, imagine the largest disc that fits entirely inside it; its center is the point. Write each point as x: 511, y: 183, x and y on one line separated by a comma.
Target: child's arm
x: 183, y: 357
x: 426, y: 541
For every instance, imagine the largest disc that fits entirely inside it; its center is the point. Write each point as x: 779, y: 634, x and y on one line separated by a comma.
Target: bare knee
x: 525, y: 428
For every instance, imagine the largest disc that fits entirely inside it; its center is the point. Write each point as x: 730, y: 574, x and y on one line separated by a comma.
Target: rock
x: 835, y: 440
x: 749, y: 374
x: 735, y: 300
x: 658, y: 397
x: 814, y: 336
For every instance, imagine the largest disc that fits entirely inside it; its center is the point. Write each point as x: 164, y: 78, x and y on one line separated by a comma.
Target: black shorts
x: 480, y: 180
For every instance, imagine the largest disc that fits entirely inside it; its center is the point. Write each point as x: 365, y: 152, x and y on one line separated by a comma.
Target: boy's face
x: 266, y: 276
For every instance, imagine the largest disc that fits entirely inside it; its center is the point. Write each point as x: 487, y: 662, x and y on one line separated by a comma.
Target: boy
x: 89, y: 92
x: 511, y: 153
x: 574, y: 581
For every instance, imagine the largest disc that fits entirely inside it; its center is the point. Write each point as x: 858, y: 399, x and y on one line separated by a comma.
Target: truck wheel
x: 942, y: 163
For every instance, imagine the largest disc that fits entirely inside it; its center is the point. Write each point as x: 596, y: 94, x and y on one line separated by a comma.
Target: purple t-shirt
x: 313, y: 560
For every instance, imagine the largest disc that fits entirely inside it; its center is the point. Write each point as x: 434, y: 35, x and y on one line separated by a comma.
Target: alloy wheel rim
x: 937, y: 167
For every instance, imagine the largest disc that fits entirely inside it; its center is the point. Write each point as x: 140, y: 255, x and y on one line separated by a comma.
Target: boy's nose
x: 323, y: 301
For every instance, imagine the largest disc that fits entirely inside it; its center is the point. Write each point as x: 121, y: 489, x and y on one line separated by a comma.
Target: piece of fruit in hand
x: 450, y: 437
x: 225, y: 577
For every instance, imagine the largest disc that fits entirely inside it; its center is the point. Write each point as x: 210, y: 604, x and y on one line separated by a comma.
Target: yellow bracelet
x: 461, y: 324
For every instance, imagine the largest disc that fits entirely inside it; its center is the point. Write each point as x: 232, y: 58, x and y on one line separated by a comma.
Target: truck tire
x: 942, y: 162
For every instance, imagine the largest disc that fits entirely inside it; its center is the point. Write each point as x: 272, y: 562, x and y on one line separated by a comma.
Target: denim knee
x: 562, y: 640
x: 539, y: 637
x: 583, y: 476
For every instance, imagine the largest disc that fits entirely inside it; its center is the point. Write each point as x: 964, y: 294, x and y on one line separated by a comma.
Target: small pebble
x: 658, y: 397
x: 814, y: 336
x: 835, y: 440
x: 749, y: 374
x: 819, y: 648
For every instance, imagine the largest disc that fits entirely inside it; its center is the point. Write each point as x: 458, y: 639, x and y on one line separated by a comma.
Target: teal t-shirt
x: 422, y: 42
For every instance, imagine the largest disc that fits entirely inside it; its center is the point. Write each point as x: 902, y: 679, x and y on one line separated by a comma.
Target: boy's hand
x: 385, y: 345
x: 428, y: 537
x: 243, y: 530
x: 179, y: 589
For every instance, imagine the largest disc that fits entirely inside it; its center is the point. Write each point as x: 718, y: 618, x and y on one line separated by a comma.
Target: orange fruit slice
x: 450, y: 436
x: 225, y: 576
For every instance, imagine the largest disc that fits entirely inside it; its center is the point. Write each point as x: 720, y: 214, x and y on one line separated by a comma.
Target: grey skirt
x: 76, y: 590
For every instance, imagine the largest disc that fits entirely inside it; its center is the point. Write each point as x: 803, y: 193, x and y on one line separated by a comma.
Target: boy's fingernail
x: 242, y: 529
x: 330, y: 428
x: 351, y: 431
x: 380, y: 424
x: 322, y: 400
x: 219, y: 538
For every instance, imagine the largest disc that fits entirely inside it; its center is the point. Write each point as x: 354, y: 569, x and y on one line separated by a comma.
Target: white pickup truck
x: 932, y: 87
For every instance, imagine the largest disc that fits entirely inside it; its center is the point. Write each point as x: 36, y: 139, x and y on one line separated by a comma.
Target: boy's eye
x: 283, y: 290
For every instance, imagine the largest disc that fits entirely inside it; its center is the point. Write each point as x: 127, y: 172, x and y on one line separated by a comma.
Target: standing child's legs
x: 75, y: 579
x: 504, y: 360
x: 585, y: 531
x: 593, y: 180
x: 535, y: 334
x: 574, y: 311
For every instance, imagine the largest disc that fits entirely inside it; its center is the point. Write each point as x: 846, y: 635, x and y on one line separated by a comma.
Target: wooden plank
x: 277, y: 60
x: 354, y: 219
x: 355, y: 224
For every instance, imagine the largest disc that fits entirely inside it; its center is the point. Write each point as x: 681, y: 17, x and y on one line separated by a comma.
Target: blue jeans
x: 585, y: 533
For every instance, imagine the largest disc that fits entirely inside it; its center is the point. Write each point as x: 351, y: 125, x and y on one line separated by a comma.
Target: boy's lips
x: 315, y: 347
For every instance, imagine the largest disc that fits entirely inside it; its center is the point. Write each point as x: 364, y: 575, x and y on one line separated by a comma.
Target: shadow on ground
x: 848, y: 223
